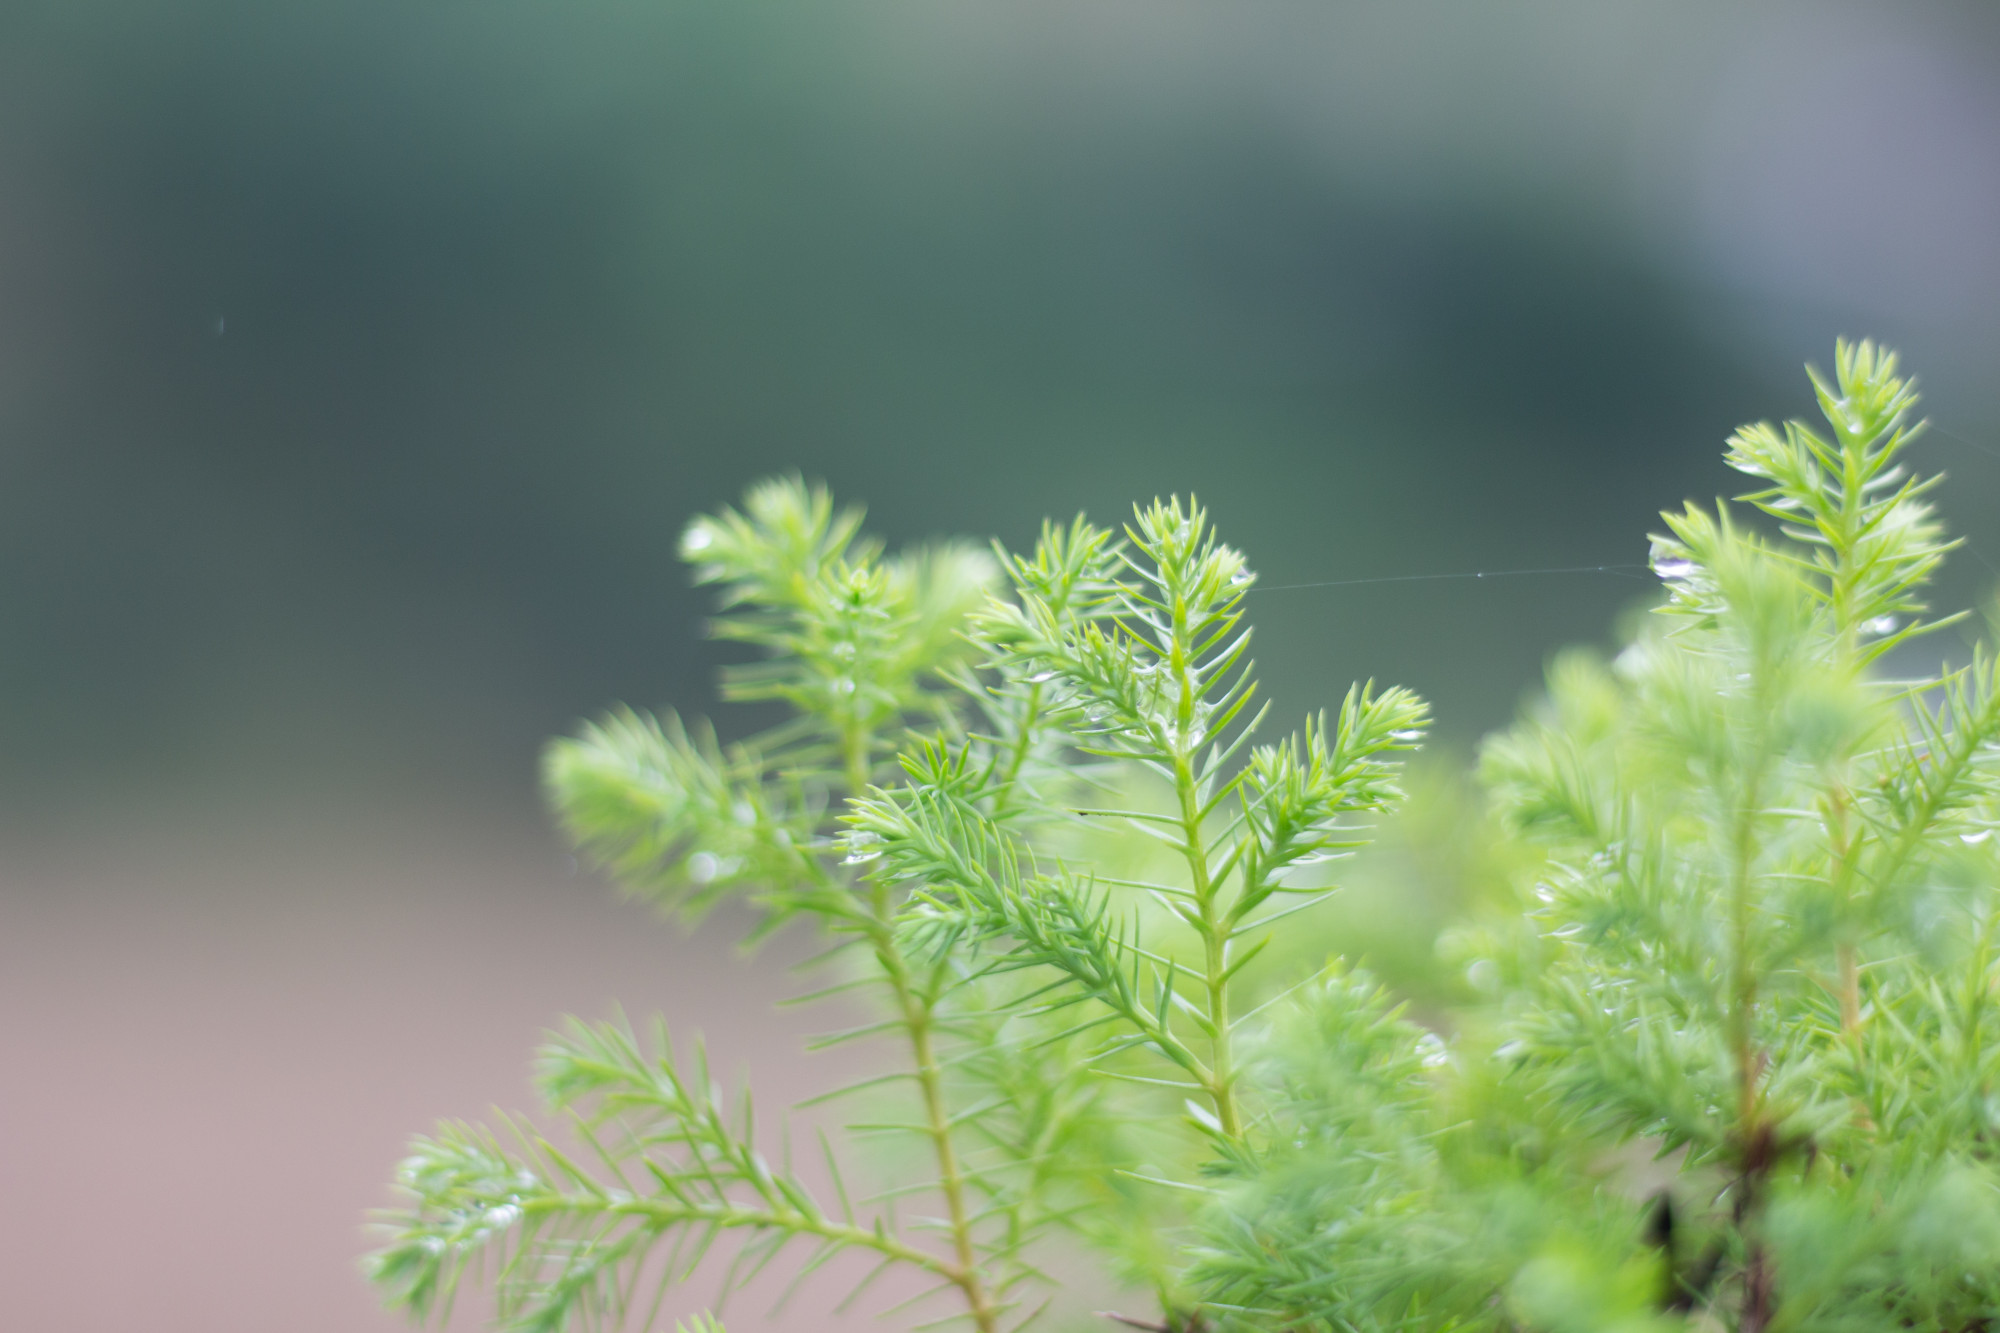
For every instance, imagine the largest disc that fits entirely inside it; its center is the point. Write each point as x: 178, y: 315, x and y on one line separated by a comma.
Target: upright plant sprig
x: 1152, y: 670
x: 1871, y: 543
x: 1756, y: 941
x: 860, y: 647
x: 1742, y: 821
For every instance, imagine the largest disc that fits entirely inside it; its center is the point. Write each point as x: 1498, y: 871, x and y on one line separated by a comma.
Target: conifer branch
x: 1150, y: 667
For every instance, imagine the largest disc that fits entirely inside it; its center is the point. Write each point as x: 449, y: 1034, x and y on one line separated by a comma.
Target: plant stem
x: 1850, y: 997
x: 854, y: 759
x: 1743, y: 984
x: 1846, y: 854
x: 918, y: 1016
x: 1978, y: 992
x: 1017, y: 755
x: 1846, y: 850
x: 1215, y: 949
x: 668, y: 1211
x: 1755, y: 1146
x: 1211, y: 923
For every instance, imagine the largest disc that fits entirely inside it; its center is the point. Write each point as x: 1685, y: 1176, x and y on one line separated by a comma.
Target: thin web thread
x: 1627, y: 571
x: 1616, y: 571
x: 1933, y: 428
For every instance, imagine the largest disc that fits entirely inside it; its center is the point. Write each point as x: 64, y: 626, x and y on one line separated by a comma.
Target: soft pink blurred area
x: 217, y: 1045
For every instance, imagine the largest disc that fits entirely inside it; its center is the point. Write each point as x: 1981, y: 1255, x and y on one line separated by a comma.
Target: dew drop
x: 1881, y: 625
x: 1673, y: 569
x: 703, y: 867
x: 1407, y: 735
x: 862, y: 848
x: 1242, y: 578
x: 698, y: 539
x: 1041, y: 677
x: 1974, y: 839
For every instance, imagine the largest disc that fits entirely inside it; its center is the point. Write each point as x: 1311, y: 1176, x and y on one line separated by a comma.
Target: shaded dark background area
x: 360, y: 364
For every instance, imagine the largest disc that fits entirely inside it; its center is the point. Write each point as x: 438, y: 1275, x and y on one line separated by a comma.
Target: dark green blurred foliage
x: 361, y: 363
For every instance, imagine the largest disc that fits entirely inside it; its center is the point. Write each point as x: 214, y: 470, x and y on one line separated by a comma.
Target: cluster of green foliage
x: 1722, y: 1057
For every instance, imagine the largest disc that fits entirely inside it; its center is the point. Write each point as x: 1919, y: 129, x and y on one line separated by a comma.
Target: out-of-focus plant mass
x: 1723, y: 1052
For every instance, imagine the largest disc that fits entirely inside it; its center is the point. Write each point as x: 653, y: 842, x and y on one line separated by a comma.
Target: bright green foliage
x: 1135, y: 649
x: 860, y: 646
x: 1733, y: 1061
x: 1150, y: 670
x: 856, y: 644
x: 1759, y: 947
x: 1013, y: 976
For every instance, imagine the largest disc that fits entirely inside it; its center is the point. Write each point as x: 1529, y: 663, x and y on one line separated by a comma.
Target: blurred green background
x: 360, y: 363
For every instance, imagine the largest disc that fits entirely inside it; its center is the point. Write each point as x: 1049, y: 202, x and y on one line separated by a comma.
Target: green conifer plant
x: 1728, y: 1056
x: 1013, y: 981
x: 1757, y: 948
